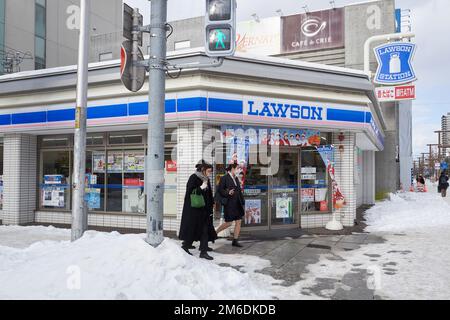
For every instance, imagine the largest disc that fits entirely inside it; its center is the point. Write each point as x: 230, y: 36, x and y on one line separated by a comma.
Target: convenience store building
x: 325, y: 106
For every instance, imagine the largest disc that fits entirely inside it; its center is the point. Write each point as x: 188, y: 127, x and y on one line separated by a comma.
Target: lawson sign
x: 272, y: 109
x: 395, y: 63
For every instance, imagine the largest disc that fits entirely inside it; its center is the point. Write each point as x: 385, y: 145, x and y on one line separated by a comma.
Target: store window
x: 55, y: 180
x: 315, y: 190
x: 115, y: 169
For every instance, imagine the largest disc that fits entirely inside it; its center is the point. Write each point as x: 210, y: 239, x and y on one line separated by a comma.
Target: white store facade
x: 335, y: 106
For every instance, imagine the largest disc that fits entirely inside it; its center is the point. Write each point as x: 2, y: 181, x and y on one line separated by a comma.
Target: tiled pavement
x: 289, y: 258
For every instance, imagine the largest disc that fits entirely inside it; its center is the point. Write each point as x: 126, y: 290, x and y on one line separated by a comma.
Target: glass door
x: 284, y: 187
x: 256, y: 198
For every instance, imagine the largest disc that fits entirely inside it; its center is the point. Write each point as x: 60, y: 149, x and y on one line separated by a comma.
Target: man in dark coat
x: 230, y: 189
x: 197, y: 223
x: 443, y: 184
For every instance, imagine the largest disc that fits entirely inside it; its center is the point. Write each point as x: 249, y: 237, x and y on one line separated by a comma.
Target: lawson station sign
x: 395, y: 63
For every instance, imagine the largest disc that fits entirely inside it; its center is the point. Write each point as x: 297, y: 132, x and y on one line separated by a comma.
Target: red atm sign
x: 385, y: 94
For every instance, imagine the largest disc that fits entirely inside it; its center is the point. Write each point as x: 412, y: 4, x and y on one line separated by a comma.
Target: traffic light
x: 220, y: 20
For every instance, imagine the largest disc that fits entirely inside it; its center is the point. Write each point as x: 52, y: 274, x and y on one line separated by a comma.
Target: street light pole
x: 79, y: 212
x: 154, y: 177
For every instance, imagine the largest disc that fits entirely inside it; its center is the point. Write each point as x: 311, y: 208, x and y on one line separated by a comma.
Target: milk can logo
x: 312, y: 27
x: 395, y: 63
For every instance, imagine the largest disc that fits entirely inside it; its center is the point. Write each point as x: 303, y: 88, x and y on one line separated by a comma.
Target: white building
x: 331, y: 106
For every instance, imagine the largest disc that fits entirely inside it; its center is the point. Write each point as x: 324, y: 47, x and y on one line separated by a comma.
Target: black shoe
x: 186, y: 249
x: 209, y: 249
x: 206, y: 256
x: 191, y: 247
x: 236, y: 243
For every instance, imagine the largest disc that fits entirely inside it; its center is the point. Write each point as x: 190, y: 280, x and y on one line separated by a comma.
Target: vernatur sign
x: 313, y: 31
x: 386, y: 94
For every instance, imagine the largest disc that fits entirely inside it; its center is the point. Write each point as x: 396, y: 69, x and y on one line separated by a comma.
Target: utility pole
x: 79, y: 211
x: 154, y: 176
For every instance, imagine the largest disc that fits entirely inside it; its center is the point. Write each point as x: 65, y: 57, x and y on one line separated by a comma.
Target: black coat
x: 234, y: 208
x: 443, y: 182
x: 193, y: 219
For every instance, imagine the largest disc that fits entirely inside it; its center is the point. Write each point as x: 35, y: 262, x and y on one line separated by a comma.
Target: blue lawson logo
x: 284, y: 110
x: 395, y: 63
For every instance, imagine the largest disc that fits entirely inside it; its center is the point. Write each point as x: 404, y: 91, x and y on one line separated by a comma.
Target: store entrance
x: 272, y: 201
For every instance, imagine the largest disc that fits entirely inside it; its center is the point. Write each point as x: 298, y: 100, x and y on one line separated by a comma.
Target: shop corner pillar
x: 19, y: 177
x: 192, y: 146
x: 344, y: 172
x: 368, y: 177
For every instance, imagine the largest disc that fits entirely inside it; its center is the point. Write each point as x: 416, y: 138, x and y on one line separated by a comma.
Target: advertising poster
x: 238, y: 148
x: 320, y: 194
x: 115, y: 162
x: 92, y: 198
x: 98, y: 162
x: 284, y: 207
x: 279, y: 137
x: 134, y: 162
x: 326, y: 152
x: 252, y: 211
x: 307, y: 195
x: 261, y: 38
x: 313, y: 31
x: 53, y: 179
x: 53, y: 197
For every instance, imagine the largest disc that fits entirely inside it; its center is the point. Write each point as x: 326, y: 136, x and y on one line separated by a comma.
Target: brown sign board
x: 313, y: 31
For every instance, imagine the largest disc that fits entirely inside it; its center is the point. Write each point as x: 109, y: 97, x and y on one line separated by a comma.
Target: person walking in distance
x: 196, y: 219
x: 230, y: 189
x: 443, y: 184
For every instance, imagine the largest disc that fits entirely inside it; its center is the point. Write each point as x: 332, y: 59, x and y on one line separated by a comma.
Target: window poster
x: 115, y: 162
x: 98, y: 162
x: 134, y: 162
x: 92, y: 198
x: 273, y: 136
x: 320, y: 194
x: 53, y: 197
x: 53, y: 179
x: 284, y: 207
x: 252, y: 211
x: 307, y: 195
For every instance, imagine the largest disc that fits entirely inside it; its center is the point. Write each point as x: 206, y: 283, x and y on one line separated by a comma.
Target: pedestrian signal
x: 220, y: 28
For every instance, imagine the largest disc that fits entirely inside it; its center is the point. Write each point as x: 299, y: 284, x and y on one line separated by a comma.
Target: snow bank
x: 114, y: 266
x: 409, y: 211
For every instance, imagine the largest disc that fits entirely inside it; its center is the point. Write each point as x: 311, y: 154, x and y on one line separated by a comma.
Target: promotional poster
x: 252, y: 211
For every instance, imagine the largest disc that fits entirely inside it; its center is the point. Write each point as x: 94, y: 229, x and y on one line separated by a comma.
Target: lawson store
x: 295, y: 108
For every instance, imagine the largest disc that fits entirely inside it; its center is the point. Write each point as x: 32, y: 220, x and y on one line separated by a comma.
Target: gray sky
x: 429, y: 22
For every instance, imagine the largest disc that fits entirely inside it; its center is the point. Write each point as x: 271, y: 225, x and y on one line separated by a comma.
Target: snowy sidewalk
x: 405, y: 256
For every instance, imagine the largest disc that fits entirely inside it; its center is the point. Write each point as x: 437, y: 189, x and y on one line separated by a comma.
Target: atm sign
x: 385, y: 94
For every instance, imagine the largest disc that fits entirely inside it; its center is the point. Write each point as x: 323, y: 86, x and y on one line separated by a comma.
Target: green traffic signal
x: 219, y: 39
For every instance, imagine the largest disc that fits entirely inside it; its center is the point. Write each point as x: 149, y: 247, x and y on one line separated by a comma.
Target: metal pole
x: 154, y: 178
x: 79, y: 212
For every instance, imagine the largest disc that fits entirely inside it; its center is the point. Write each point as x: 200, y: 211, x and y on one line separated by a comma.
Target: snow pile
x: 22, y: 237
x: 409, y: 211
x: 114, y: 266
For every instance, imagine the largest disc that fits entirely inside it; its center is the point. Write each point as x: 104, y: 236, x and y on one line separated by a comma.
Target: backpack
x: 443, y: 180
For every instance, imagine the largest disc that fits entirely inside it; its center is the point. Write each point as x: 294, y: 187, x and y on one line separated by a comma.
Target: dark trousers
x: 203, y: 240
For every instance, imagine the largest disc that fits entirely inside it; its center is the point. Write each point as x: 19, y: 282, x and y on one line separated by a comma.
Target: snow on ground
x: 114, y: 266
x: 41, y: 262
x: 413, y: 262
x: 409, y: 211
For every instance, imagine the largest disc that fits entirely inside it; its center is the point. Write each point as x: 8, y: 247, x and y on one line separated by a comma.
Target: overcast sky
x: 429, y: 22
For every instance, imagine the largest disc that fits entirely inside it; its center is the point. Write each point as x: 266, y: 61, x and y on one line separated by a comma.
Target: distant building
x: 38, y: 34
x: 446, y: 135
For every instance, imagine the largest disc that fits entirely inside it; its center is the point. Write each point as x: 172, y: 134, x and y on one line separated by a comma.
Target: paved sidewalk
x: 290, y: 257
